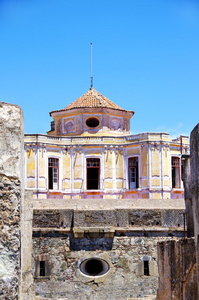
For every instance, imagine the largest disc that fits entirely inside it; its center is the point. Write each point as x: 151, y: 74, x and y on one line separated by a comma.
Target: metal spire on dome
x: 91, y: 68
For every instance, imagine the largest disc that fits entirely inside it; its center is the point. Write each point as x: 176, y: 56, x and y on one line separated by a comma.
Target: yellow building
x: 90, y: 153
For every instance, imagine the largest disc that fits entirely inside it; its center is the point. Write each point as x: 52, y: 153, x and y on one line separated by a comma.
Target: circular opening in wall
x: 92, y: 122
x: 94, y: 267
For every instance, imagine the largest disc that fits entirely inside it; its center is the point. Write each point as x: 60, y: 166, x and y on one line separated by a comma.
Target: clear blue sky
x: 145, y: 58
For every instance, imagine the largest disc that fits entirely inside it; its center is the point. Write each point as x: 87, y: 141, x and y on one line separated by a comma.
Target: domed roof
x: 92, y: 99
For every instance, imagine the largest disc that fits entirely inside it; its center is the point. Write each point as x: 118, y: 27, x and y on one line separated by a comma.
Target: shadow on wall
x: 91, y: 244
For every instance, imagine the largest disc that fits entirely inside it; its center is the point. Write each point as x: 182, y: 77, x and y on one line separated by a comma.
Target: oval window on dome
x: 94, y: 266
x: 92, y: 122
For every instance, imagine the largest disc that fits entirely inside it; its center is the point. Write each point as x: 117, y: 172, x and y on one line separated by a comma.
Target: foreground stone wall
x: 195, y: 189
x: 11, y: 170
x: 63, y: 255
x: 177, y: 270
x: 9, y: 237
x: 16, y: 281
x: 178, y: 262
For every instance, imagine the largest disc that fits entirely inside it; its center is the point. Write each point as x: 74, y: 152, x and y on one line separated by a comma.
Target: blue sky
x: 145, y: 58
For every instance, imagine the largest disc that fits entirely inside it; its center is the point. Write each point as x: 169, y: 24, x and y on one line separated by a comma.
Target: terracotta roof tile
x: 90, y: 99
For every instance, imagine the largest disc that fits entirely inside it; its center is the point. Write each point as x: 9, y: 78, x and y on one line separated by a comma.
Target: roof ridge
x: 92, y: 99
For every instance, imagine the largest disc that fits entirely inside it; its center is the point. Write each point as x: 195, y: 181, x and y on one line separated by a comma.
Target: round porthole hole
x: 92, y: 122
x: 94, y: 267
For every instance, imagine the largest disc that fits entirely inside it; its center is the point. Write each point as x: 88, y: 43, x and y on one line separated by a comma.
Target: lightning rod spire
x: 91, y: 68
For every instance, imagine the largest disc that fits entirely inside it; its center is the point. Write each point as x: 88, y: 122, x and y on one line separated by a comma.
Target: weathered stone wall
x: 178, y: 262
x: 61, y: 218
x: 177, y: 270
x: 27, y: 284
x: 195, y: 189
x: 186, y: 177
x: 15, y: 213
x: 11, y: 170
x: 9, y: 237
x: 125, y: 254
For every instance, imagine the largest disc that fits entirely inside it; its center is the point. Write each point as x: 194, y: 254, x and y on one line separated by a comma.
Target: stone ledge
x: 93, y: 232
x: 106, y: 204
x: 116, y: 229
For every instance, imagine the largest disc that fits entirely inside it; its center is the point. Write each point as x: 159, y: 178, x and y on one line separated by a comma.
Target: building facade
x: 90, y: 153
x: 102, y: 200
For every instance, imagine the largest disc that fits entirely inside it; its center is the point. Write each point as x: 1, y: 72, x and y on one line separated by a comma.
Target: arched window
x: 133, y: 172
x: 175, y: 165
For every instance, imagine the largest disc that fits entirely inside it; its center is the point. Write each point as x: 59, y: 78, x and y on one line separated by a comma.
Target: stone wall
x: 177, y: 270
x: 195, y: 189
x: 63, y: 255
x: 11, y: 170
x: 178, y: 262
x: 121, y: 217
x: 9, y: 237
x: 186, y: 177
x: 12, y: 207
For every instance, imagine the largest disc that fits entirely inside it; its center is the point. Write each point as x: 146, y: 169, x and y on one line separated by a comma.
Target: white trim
x: 100, y: 182
x: 36, y: 168
x: 114, y: 167
x: 150, y: 170
x: 59, y: 159
x: 25, y: 168
x: 139, y: 171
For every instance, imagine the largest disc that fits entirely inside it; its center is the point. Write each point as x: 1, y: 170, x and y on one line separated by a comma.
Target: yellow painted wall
x: 42, y: 184
x: 166, y: 162
x: 77, y: 197
x: 155, y: 159
x: 144, y: 161
x: 41, y: 163
x: 119, y: 184
x: 66, y: 197
x: 78, y: 166
x: 93, y: 152
x: 166, y: 196
x: 77, y: 185
x: 108, y: 196
x: 155, y: 182
x: 66, y: 185
x: 133, y: 151
x: 156, y: 195
x: 119, y: 165
x: 66, y: 166
x: 145, y: 182
x: 30, y: 163
x: 108, y: 184
x: 53, y: 153
x: 30, y: 184
x: 108, y: 169
x: 166, y: 182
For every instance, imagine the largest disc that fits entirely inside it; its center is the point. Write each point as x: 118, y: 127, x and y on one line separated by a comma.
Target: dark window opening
x: 94, y: 267
x: 92, y: 122
x: 133, y: 173
x: 175, y: 164
x: 42, y: 268
x: 53, y: 173
x: 146, y: 267
x: 52, y: 125
x: 93, y: 171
